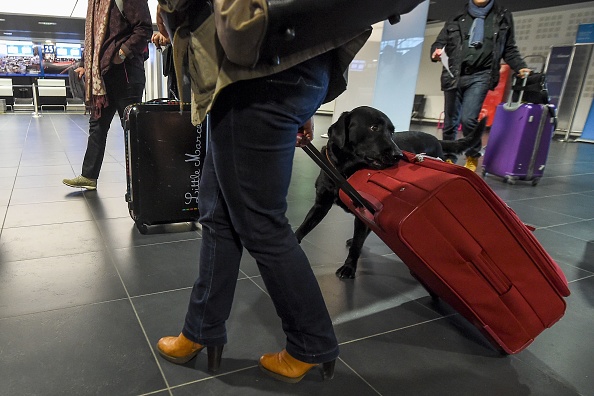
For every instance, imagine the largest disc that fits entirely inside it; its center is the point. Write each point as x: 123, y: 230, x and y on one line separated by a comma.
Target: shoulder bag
x: 253, y: 31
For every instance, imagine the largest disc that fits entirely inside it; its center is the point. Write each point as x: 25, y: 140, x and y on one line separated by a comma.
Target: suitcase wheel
x: 535, y: 181
x: 509, y: 179
x: 484, y: 172
x: 142, y: 228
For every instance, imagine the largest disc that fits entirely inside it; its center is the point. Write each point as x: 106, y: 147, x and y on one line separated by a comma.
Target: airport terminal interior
x: 84, y: 296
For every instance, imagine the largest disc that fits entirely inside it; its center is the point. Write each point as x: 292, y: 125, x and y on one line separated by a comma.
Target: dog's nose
x: 391, y: 156
x: 395, y: 152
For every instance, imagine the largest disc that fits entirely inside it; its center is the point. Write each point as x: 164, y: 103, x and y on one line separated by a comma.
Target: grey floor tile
x: 575, y: 205
x: 566, y: 249
x: 253, y: 382
x: 108, y: 190
x: 7, y: 183
x: 23, y: 243
x: 108, y: 208
x: 536, y: 216
x: 5, y: 196
x: 562, y: 351
x: 583, y: 230
x: 40, y: 182
x: 90, y: 350
x: 9, y: 172
x: 24, y: 196
x: 158, y: 267
x: 50, y: 159
x: 46, y: 284
x: 47, y: 171
x: 121, y: 232
x: 434, y: 359
x: 48, y: 213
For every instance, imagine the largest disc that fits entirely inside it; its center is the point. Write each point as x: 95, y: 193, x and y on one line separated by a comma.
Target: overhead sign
x: 585, y: 34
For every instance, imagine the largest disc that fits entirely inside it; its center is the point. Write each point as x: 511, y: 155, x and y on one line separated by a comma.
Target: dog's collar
x: 333, y: 165
x: 328, y: 158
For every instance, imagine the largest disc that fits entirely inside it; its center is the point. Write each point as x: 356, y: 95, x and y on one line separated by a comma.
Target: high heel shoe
x: 180, y: 350
x: 286, y: 368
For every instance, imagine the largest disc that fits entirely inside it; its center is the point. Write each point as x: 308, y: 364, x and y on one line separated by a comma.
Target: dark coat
x: 130, y: 33
x: 451, y: 38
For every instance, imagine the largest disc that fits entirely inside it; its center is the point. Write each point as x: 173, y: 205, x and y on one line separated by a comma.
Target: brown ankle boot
x: 286, y: 368
x: 178, y: 349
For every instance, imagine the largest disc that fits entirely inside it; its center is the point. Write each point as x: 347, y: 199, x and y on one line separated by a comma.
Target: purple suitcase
x: 519, y: 141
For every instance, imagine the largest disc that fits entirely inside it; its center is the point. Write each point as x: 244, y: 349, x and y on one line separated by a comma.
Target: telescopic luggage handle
x: 337, y: 178
x: 510, y: 102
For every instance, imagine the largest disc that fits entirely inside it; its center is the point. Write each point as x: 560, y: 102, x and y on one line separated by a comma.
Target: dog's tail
x: 460, y: 145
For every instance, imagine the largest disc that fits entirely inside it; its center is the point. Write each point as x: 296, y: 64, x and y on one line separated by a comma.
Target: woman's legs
x: 243, y: 203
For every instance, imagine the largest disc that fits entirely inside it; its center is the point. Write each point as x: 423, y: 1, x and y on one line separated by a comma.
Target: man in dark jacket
x: 116, y: 37
x: 474, y: 41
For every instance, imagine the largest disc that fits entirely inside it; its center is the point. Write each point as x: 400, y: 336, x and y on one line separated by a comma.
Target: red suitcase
x: 464, y: 244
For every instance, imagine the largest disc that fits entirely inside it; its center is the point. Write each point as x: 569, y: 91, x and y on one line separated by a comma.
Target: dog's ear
x: 337, y: 133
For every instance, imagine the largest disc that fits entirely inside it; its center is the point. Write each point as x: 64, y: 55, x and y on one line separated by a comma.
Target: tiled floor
x: 84, y: 296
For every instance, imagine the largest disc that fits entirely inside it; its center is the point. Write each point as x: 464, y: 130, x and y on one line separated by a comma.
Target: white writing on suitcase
x: 195, y: 157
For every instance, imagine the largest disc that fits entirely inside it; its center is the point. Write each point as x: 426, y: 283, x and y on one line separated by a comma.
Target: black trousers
x: 124, y: 85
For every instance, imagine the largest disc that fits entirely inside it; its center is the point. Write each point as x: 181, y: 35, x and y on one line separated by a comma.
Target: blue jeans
x: 124, y: 86
x: 463, y: 106
x: 242, y: 204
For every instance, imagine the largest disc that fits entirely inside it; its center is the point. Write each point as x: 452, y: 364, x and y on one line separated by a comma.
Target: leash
x: 328, y: 167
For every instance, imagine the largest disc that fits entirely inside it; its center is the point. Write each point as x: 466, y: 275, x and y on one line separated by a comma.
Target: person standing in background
x: 474, y: 42
x: 116, y: 38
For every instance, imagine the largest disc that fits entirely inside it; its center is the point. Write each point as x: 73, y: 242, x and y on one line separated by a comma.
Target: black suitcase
x: 164, y: 158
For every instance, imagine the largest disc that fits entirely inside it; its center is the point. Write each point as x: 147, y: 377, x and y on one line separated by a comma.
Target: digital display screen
x: 25, y: 58
x: 19, y: 58
x: 63, y: 57
x: 68, y: 50
x: 16, y: 49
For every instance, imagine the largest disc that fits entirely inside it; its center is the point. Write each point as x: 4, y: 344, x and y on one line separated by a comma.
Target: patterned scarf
x: 477, y: 31
x: 95, y: 29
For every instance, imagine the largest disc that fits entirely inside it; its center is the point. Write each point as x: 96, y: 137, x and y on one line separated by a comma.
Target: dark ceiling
x: 72, y: 29
x: 28, y: 27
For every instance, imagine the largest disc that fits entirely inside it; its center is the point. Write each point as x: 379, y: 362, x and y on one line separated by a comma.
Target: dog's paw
x: 346, y: 272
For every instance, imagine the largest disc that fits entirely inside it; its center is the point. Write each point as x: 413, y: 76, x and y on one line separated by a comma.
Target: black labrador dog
x: 365, y: 138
